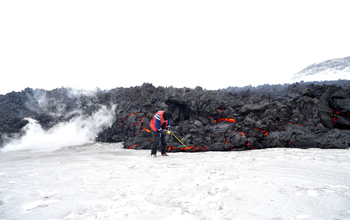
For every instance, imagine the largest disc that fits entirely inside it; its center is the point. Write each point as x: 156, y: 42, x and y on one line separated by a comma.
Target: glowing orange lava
x: 232, y: 120
x: 264, y: 131
x: 190, y: 148
x: 131, y: 147
x: 145, y: 129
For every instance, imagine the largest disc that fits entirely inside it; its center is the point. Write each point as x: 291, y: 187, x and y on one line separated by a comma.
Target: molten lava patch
x: 131, y: 147
x: 264, y: 131
x: 189, y: 149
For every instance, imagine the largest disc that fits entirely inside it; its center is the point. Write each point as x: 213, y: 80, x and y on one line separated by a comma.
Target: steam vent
x: 299, y: 115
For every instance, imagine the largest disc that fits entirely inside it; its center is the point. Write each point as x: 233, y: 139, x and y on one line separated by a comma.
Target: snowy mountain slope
x: 327, y: 70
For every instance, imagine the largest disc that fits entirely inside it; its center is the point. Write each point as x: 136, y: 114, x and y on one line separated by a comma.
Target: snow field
x: 104, y: 181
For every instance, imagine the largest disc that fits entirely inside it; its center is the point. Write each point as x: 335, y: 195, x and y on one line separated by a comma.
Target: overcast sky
x: 213, y: 44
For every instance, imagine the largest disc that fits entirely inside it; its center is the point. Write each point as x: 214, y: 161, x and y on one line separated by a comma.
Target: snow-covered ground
x: 104, y: 181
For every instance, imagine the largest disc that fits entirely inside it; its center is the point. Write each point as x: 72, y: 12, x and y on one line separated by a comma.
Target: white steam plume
x: 77, y: 131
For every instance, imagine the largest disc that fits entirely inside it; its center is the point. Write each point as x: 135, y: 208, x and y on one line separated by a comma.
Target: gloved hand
x: 166, y: 132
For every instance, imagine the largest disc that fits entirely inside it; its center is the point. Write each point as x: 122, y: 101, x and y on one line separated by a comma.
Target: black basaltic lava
x: 299, y: 115
x: 296, y: 116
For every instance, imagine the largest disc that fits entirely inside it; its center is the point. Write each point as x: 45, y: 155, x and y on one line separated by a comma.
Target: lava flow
x: 145, y: 129
x: 190, y: 148
x: 232, y: 120
x: 131, y: 147
x: 336, y: 113
x: 134, y: 114
x: 264, y: 131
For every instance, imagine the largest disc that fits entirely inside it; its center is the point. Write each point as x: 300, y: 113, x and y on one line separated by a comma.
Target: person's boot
x: 165, y: 154
x: 153, y: 155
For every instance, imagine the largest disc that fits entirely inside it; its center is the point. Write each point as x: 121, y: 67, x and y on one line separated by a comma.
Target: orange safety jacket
x: 159, y: 117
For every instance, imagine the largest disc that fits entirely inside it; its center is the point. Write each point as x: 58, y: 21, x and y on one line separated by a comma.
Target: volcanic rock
x: 299, y: 115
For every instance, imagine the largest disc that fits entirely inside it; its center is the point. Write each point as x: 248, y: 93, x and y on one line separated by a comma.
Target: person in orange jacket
x: 160, y: 122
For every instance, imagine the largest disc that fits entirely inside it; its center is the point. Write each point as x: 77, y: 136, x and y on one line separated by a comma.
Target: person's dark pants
x: 158, y: 137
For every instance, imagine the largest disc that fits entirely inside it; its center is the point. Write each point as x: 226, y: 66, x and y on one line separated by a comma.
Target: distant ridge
x: 327, y: 70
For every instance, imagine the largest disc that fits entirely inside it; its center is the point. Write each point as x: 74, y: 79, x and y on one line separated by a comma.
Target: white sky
x: 213, y: 44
